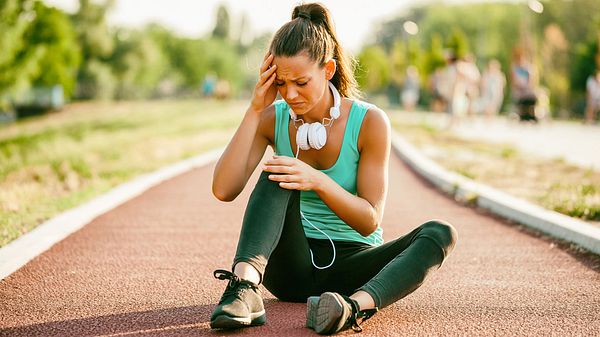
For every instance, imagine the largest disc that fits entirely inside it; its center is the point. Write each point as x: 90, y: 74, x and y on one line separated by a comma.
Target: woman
x: 312, y: 225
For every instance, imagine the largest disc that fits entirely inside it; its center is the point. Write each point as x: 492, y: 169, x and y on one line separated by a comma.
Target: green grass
x: 58, y: 161
x: 550, y: 183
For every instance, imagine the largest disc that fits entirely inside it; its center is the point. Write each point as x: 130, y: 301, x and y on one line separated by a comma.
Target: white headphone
x: 314, y: 135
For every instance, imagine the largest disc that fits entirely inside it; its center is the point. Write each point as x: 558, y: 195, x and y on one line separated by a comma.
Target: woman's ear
x: 330, y: 68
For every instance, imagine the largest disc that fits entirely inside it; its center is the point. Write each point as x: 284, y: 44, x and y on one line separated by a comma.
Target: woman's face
x: 300, y: 81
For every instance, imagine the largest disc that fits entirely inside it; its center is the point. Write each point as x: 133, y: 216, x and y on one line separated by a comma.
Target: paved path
x: 574, y: 142
x: 145, y: 268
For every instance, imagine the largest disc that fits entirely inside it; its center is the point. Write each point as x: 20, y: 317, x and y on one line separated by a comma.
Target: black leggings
x: 272, y: 240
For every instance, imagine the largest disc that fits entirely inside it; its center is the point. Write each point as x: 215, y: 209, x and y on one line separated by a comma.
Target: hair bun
x: 313, y: 12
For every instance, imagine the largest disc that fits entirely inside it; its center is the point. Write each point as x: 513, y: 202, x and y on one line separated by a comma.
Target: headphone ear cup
x: 302, y: 137
x: 317, y: 136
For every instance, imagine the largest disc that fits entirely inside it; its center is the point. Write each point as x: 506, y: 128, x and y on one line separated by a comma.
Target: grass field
x: 550, y: 183
x: 52, y: 163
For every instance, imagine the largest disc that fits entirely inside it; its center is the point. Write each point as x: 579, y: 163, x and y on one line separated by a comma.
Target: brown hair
x: 311, y: 30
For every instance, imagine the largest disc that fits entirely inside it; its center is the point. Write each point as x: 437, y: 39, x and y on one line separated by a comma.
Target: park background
x: 87, y: 104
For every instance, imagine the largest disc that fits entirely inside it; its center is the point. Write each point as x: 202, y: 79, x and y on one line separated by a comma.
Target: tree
x: 94, y: 79
x: 138, y: 63
x: 458, y: 43
x: 54, y: 35
x: 221, y: 30
x: 434, y: 55
x: 17, y: 62
x: 373, y: 71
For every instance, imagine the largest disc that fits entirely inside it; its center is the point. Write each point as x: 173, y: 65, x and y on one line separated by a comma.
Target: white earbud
x: 314, y: 135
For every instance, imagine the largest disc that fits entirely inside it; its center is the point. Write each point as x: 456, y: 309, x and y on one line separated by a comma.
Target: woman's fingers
x: 269, y: 81
x: 266, y: 77
x: 286, y: 178
x: 267, y: 54
x: 267, y: 74
x: 290, y: 186
x: 280, y: 160
x: 266, y: 63
x: 278, y: 169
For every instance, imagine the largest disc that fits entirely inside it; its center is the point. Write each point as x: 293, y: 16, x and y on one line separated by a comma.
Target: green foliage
x: 43, y: 46
x: 373, y: 71
x: 583, y: 63
x: 17, y: 61
x: 434, y: 55
x: 138, y: 63
x: 94, y: 79
x: 92, y: 29
x: 458, y: 43
x: 193, y: 59
x: 190, y: 59
x: 54, y: 35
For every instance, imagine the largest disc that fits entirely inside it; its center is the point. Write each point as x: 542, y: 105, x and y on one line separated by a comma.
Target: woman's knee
x: 268, y: 191
x: 441, y: 232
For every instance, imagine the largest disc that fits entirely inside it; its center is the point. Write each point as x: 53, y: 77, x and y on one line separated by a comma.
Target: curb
x: 523, y: 212
x: 22, y: 250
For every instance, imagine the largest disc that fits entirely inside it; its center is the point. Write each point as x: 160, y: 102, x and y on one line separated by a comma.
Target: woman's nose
x: 291, y: 93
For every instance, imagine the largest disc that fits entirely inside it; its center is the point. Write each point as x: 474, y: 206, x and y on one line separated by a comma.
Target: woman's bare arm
x: 249, y: 142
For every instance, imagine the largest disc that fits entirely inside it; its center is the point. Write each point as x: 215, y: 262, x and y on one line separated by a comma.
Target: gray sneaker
x: 335, y: 313
x: 240, y: 306
x: 311, y: 311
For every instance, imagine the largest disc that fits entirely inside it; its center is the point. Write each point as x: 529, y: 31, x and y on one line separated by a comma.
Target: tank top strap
x: 357, y: 115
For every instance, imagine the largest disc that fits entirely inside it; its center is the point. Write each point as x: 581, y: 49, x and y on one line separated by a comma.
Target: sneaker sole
x: 312, y: 303
x: 228, y: 322
x: 329, y: 310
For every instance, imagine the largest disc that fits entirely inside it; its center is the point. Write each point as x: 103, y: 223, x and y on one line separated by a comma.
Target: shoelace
x: 236, y: 285
x: 357, y: 314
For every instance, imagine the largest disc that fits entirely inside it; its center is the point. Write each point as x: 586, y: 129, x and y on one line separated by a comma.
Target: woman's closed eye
x: 300, y: 84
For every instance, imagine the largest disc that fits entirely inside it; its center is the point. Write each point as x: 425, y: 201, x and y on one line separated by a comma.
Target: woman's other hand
x: 293, y: 174
x: 265, y: 91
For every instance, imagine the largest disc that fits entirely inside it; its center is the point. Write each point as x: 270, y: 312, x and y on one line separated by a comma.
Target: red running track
x: 145, y: 269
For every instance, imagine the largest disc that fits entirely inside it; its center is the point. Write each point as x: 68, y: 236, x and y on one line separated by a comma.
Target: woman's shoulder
x: 376, y: 117
x: 372, y: 111
x: 376, y: 126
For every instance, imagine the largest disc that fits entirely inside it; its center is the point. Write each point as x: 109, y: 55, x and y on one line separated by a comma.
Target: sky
x: 354, y: 19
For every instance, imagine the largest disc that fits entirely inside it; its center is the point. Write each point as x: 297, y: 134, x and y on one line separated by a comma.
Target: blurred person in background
x: 208, y: 85
x: 523, y: 83
x: 410, y: 89
x: 472, y: 78
x: 438, y: 101
x: 593, y: 97
x: 222, y: 89
x: 454, y: 86
x: 493, y: 82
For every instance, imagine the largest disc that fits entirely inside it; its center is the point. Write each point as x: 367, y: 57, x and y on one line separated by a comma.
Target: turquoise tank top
x: 342, y: 172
